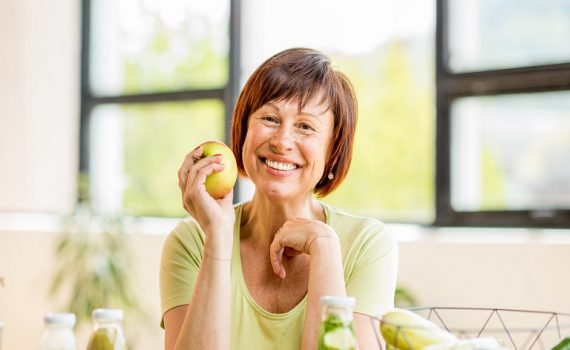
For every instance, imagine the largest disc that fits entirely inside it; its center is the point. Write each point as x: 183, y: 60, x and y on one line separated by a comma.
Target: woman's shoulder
x: 356, y: 228
x: 186, y: 237
x: 341, y: 217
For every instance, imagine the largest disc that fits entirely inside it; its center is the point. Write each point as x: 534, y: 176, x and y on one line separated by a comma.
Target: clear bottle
x: 58, y: 332
x: 1, y: 327
x: 107, y: 330
x: 337, y: 329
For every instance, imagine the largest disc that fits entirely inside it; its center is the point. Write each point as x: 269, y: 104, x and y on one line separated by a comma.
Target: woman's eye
x: 306, y: 127
x: 269, y: 118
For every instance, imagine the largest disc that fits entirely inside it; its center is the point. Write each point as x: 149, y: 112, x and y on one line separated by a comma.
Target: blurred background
x: 462, y: 145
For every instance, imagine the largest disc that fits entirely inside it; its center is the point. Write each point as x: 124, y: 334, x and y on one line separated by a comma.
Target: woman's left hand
x: 297, y: 237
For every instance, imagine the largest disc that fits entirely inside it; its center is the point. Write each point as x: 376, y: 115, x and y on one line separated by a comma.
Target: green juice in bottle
x: 107, y: 331
x: 337, y: 329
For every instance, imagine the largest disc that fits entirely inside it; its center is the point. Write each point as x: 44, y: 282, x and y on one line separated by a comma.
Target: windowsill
x: 53, y: 223
x: 477, y: 235
x: 30, y: 222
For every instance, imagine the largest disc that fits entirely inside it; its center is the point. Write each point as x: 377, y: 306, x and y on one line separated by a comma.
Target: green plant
x: 404, y: 298
x: 93, y: 261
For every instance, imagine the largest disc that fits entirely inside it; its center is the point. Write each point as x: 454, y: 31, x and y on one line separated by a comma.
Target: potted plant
x: 94, y: 260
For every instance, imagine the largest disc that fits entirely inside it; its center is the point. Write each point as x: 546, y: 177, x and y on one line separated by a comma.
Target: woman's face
x: 285, y: 150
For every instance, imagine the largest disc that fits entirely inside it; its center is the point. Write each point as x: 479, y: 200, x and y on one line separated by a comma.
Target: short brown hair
x: 300, y: 74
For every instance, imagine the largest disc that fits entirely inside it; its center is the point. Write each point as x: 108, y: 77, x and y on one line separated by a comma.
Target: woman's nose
x: 283, y: 138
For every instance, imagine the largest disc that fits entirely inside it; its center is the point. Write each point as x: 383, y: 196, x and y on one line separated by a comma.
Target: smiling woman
x: 262, y: 266
x: 328, y: 93
x: 275, y: 129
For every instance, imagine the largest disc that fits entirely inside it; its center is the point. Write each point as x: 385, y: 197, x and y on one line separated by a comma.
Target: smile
x: 280, y: 166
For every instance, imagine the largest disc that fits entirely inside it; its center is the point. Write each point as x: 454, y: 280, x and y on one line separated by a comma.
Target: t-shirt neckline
x: 241, y: 279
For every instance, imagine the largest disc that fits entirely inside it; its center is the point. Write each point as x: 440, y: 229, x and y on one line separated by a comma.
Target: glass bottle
x: 58, y: 332
x: 1, y: 327
x: 107, y: 330
x: 337, y: 329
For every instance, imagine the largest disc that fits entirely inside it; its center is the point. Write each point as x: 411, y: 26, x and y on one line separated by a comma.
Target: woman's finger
x: 204, y: 167
x: 290, y: 252
x: 276, y: 257
x: 187, y: 163
x: 192, y: 184
x: 195, y: 190
x: 182, y: 178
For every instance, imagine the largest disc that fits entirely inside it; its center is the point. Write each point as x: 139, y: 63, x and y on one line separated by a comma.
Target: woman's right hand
x: 211, y: 214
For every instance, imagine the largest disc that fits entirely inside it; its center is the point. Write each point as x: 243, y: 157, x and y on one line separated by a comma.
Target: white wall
x: 39, y: 104
x: 523, y: 275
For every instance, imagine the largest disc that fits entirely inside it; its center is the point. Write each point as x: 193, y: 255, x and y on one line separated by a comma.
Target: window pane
x: 511, y: 152
x: 491, y: 34
x: 392, y: 169
x: 136, y: 151
x: 386, y: 50
x: 151, y: 46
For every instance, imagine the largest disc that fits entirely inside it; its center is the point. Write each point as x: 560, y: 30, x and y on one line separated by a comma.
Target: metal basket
x: 515, y: 329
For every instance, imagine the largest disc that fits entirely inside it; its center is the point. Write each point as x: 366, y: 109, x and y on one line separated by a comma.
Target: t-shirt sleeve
x: 179, y: 265
x: 373, y: 279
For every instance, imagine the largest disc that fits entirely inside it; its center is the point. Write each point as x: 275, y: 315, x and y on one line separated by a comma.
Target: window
x: 157, y: 79
x: 503, y: 113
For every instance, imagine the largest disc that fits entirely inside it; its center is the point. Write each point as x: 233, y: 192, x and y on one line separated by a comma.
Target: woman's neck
x: 262, y: 217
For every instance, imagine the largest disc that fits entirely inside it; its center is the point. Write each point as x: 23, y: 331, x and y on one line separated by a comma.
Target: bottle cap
x: 338, y: 301
x: 62, y: 318
x: 108, y: 314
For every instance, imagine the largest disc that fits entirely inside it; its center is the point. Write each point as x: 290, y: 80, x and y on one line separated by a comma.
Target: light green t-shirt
x: 370, y: 262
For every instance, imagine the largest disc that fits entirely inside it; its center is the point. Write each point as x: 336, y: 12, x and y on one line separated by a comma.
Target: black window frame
x: 450, y: 86
x: 227, y: 94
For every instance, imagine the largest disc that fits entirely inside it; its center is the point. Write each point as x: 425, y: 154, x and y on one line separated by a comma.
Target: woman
x: 251, y: 275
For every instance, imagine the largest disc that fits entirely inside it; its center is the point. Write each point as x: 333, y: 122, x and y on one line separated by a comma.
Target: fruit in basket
x: 407, y: 330
x: 563, y: 345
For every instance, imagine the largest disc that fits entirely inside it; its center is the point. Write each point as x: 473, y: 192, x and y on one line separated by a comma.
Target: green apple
x: 220, y: 183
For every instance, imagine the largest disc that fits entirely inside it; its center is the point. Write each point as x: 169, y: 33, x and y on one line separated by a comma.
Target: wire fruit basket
x: 514, y: 329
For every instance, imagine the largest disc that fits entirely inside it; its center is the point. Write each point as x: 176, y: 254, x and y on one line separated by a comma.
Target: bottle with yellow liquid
x: 107, y: 330
x: 337, y: 329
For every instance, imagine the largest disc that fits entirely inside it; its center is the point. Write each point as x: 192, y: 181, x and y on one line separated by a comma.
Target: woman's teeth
x: 279, y: 165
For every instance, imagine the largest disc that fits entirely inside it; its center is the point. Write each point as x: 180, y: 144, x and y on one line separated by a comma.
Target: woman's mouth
x: 282, y: 166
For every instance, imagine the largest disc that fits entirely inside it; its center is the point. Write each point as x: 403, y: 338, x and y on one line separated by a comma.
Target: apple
x: 220, y: 183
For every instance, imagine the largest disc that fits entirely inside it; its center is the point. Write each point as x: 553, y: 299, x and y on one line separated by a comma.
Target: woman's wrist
x: 219, y: 243
x: 217, y: 258
x: 323, y: 242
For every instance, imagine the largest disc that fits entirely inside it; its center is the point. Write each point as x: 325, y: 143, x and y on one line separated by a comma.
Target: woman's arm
x: 205, y: 322
x: 325, y: 274
x: 325, y: 278
x: 366, y: 329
